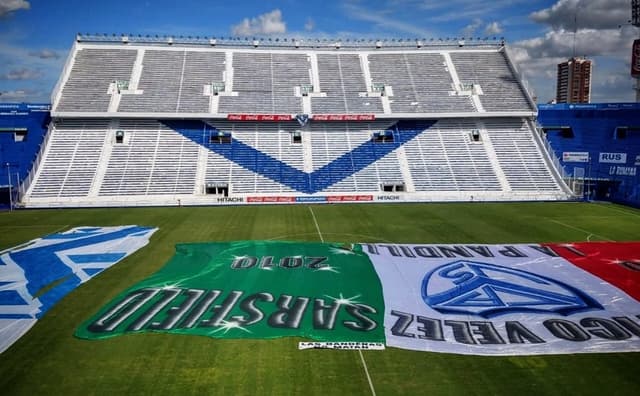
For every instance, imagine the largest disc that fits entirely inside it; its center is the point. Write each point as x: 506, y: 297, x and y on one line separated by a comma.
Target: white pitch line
x: 316, y: 223
x: 366, y: 371
x: 615, y: 209
x: 364, y: 364
x: 581, y: 230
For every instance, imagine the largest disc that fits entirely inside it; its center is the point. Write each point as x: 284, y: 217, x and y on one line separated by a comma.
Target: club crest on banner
x: 303, y: 119
x: 489, y: 290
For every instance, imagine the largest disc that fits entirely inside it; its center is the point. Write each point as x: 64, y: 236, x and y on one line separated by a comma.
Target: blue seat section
x: 335, y: 171
x: 594, y: 129
x: 20, y: 154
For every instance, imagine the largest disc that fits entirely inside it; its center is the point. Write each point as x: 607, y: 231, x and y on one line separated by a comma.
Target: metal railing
x: 521, y: 78
x: 26, y: 182
x: 294, y: 42
x: 555, y: 161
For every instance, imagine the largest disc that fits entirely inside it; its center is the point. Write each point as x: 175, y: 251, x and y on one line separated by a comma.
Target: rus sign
x: 613, y: 158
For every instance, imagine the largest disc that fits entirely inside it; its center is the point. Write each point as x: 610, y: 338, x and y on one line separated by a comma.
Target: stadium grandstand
x: 160, y: 282
x: 597, y: 146
x: 145, y: 121
x: 22, y: 129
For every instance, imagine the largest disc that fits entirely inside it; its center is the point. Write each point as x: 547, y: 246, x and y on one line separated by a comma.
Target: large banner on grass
x: 511, y: 300
x: 467, y: 299
x: 37, y: 274
x: 325, y: 292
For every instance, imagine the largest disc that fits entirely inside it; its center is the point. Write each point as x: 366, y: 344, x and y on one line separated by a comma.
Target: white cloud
x: 383, y: 19
x: 45, y: 54
x: 21, y: 57
x: 309, y: 25
x: 21, y: 74
x: 471, y: 28
x: 493, y: 28
x: 455, y: 10
x: 28, y: 95
x: 595, y: 29
x: 589, y: 14
x: 268, y: 23
x: 10, y: 96
x: 609, y: 48
x: 28, y: 74
x: 9, y: 6
x: 22, y: 94
x: 588, y: 42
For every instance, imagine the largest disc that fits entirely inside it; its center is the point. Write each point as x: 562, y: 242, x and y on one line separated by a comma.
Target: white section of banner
x: 499, y: 300
x: 364, y: 346
x: 12, y: 329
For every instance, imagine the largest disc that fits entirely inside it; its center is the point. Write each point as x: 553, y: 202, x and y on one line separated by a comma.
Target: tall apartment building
x: 574, y: 81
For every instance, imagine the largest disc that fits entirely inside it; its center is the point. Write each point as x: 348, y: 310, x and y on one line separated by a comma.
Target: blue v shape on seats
x: 308, y: 183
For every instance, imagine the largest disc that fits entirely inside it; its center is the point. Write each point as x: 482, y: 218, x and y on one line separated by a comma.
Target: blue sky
x: 35, y: 35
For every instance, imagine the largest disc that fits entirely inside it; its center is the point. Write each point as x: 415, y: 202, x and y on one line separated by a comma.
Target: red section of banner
x: 344, y: 117
x: 349, y: 198
x: 270, y: 199
x: 259, y: 117
x: 618, y: 263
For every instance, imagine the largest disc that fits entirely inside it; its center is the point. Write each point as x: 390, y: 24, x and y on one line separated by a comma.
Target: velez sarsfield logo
x: 489, y: 290
x: 335, y: 171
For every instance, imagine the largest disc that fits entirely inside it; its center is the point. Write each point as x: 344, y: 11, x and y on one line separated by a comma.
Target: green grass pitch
x: 49, y: 360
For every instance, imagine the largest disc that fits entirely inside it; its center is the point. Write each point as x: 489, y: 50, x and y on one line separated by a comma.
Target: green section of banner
x: 253, y: 289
